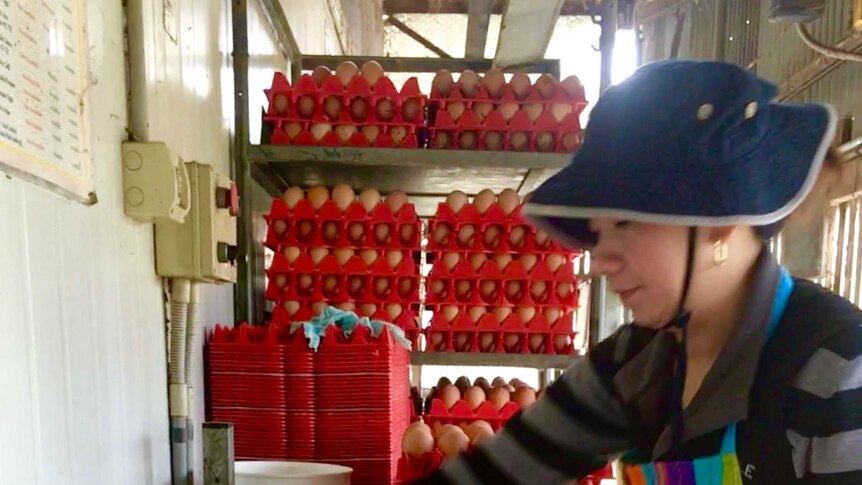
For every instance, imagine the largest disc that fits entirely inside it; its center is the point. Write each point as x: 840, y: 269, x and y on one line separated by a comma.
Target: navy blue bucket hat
x: 691, y: 143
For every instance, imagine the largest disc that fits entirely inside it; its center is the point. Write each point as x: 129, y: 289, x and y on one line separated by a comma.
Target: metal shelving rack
x: 426, y: 175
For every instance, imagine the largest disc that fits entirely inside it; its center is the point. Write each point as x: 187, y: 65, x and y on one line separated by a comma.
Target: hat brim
x: 758, y: 188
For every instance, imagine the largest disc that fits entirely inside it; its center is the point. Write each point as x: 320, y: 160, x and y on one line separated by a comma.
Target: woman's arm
x: 574, y: 429
x: 824, y: 412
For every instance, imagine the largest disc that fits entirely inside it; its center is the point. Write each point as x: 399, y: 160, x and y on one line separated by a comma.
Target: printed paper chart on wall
x: 43, y: 74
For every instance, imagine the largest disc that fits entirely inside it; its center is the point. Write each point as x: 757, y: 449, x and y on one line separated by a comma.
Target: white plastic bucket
x: 290, y: 473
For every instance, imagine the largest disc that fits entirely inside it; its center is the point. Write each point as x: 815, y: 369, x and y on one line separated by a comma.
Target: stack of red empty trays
x: 519, y: 292
x: 260, y: 379
x: 378, y: 286
x: 507, y: 125
x: 358, y: 115
x: 363, y: 402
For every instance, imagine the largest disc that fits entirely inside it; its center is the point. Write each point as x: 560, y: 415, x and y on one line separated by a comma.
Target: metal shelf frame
x: 428, y: 174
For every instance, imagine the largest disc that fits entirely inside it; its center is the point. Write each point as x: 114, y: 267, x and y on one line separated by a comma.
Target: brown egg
x: 406, y: 233
x: 319, y: 74
x: 281, y: 103
x: 462, y: 383
x: 417, y: 439
x: 394, y: 310
x: 508, y: 200
x: 369, y: 256
x: 469, y: 83
x: 486, y: 342
x: 358, y: 109
x: 526, y: 313
x: 330, y: 284
x: 546, y: 141
x: 479, y: 432
x: 410, y: 109
x: 491, y: 237
x: 502, y: 260
x: 537, y: 343
x: 499, y: 396
x: 502, y: 313
x: 383, y: 233
x: 477, y: 260
x: 484, y: 200
x: 449, y: 395
x: 398, y: 134
x: 381, y: 287
x: 570, y: 141
x: 514, y: 290
x: 293, y: 129
x: 508, y: 110
x: 572, y: 85
x: 343, y: 196
x: 546, y: 85
x: 437, y: 287
x: 369, y: 198
x: 466, y: 235
x: 355, y: 285
x: 372, y: 71
x: 441, y: 429
x: 347, y: 306
x: 442, y: 140
x: 562, y: 343
x: 356, y: 232
x: 560, y: 110
x: 519, y: 141
x: 565, y: 289
x: 494, y: 82
x: 468, y: 140
x: 394, y: 258
x: 517, y: 237
x: 528, y: 261
x: 524, y: 396
x: 371, y: 132
x: 453, y: 443
x: 318, y: 307
x: 534, y: 110
x: 552, y: 314
x: 343, y: 255
x: 291, y: 253
x: 318, y: 195
x: 451, y: 260
x: 442, y: 83
x: 291, y: 306
x: 280, y: 281
x: 280, y: 227
x: 292, y: 196
x: 320, y: 130
x: 493, y: 140
x: 396, y: 200
x: 345, y: 132
x: 520, y: 84
x: 554, y: 261
x: 516, y: 383
x: 305, y: 106
x: 368, y: 309
x: 474, y: 396
x: 305, y: 281
x: 345, y: 72
x: 539, y: 291
x: 330, y: 232
x: 317, y: 254
x: 304, y: 230
x: 456, y: 109
x: 441, y: 234
x: 542, y: 239
x: 498, y: 382
x: 450, y: 312
x: 476, y: 312
x: 456, y: 200
x: 385, y: 110
x: 442, y: 382
x: 437, y: 341
x: 488, y: 288
x: 332, y: 108
x: 482, y: 110
x: 462, y: 289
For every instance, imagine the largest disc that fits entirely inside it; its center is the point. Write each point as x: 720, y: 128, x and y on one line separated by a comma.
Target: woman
x: 734, y: 372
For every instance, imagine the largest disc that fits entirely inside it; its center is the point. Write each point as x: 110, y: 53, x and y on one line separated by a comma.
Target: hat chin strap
x: 681, y: 321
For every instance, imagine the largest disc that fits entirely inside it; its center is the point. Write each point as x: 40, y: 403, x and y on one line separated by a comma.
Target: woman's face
x: 644, y: 264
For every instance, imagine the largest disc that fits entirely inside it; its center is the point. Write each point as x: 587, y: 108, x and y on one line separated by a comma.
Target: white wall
x: 82, y: 346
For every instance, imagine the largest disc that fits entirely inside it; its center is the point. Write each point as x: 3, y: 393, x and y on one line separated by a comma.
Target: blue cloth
x: 694, y: 143
x: 347, y: 321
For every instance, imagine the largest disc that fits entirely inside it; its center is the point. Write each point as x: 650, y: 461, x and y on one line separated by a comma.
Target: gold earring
x: 720, y: 253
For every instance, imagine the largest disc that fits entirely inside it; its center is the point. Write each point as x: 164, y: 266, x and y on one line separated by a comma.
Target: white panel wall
x: 82, y: 366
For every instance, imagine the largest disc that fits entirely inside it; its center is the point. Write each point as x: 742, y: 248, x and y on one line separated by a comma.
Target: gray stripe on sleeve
x: 547, y: 418
x: 827, y: 373
x: 518, y: 463
x: 839, y: 453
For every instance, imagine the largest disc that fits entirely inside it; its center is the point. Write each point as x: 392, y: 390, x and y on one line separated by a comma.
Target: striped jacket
x: 797, y: 398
